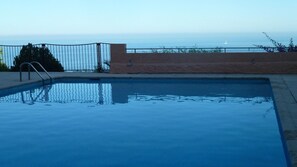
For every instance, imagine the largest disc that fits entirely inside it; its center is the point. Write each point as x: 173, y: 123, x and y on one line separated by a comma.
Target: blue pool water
x: 141, y: 122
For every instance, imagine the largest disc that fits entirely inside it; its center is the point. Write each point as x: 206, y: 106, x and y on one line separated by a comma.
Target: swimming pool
x: 141, y: 122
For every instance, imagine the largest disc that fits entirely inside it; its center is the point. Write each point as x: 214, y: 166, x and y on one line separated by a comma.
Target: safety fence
x: 76, y: 57
x: 96, y: 56
x: 200, y: 50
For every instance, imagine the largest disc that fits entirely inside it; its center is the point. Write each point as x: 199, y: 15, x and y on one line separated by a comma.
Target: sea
x: 157, y: 40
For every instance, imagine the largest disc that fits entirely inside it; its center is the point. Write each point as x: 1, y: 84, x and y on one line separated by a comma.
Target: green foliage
x: 279, y: 46
x: 291, y: 47
x: 197, y: 50
x: 107, y: 63
x: 187, y: 50
x: 3, y: 67
x: 42, y: 55
x: 100, y: 69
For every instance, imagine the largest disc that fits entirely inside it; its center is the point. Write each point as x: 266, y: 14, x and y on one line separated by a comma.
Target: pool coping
x: 283, y: 87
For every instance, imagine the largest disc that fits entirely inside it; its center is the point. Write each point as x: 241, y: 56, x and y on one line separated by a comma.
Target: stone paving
x: 284, y: 88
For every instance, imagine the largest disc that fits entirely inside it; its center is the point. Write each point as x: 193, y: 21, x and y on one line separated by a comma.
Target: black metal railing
x: 9, y: 52
x: 76, y: 57
x: 199, y: 50
x: 105, y: 56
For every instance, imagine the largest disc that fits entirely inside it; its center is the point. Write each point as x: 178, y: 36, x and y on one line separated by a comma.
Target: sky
x: 54, y: 17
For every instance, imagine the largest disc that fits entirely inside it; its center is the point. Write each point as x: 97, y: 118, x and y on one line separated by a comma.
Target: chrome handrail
x: 31, y: 65
x: 36, y: 62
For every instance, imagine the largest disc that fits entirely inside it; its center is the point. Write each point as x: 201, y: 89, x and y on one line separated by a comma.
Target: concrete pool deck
x: 284, y: 88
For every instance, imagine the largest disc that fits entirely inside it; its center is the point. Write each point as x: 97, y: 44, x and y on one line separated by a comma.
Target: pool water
x: 141, y: 122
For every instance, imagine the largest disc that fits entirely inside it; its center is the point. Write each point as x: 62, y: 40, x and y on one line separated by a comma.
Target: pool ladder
x: 29, y: 71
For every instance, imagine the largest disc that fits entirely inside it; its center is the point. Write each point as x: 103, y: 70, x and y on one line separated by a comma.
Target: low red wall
x: 243, y: 63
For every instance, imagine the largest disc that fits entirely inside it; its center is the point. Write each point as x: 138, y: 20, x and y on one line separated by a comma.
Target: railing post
x: 21, y: 74
x: 100, y: 90
x: 29, y: 70
x: 98, y: 49
x: 1, y: 55
x: 42, y: 58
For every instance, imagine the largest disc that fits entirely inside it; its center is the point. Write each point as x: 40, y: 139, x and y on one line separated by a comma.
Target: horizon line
x: 144, y: 33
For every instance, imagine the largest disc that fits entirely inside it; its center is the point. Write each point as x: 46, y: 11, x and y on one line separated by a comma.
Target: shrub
x: 3, y: 67
x: 42, y: 55
x: 100, y: 69
x: 279, y: 46
x: 194, y: 49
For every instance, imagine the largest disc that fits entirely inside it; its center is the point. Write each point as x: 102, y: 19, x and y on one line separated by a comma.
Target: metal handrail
x: 31, y: 65
x: 36, y: 62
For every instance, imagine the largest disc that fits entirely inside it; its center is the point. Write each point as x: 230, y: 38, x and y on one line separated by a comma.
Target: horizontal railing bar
x: 66, y: 44
x: 56, y: 44
x: 239, y: 49
x: 11, y: 45
x: 199, y: 48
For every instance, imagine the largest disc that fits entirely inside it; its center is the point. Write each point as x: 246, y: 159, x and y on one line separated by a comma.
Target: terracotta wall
x: 253, y: 63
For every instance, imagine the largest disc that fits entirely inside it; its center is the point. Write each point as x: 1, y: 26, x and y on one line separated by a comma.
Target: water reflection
x: 124, y: 91
x: 42, y: 94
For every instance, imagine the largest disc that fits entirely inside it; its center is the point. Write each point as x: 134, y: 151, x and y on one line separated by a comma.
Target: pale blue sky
x: 35, y: 17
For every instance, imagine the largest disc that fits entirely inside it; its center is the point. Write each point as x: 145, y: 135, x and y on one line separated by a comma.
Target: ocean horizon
x: 157, y: 40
